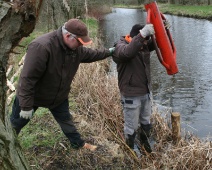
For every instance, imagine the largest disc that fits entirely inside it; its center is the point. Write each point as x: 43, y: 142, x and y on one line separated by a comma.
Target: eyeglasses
x: 65, y: 31
x: 75, y: 37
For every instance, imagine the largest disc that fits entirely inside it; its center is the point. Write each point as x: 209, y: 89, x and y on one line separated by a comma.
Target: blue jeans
x: 62, y: 116
x: 137, y: 112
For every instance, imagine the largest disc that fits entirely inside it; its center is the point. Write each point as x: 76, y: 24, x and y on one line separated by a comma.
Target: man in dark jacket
x: 132, y: 56
x: 51, y: 62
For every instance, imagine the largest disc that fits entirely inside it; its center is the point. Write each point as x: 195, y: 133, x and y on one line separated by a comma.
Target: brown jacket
x: 49, y: 69
x: 133, y: 65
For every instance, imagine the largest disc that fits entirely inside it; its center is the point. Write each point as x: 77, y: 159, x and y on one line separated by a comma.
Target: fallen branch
x: 10, y: 85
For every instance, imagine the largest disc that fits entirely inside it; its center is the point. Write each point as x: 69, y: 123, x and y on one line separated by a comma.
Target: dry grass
x: 97, y: 94
x: 98, y: 98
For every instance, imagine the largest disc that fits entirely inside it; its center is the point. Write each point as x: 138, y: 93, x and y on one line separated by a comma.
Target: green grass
x: 72, y: 103
x: 21, y: 49
x: 40, y: 131
x: 128, y: 6
x: 198, y: 11
x: 188, y: 8
x: 92, y: 25
x: 25, y: 41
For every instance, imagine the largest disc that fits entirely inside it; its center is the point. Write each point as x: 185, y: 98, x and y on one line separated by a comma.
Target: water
x: 188, y: 92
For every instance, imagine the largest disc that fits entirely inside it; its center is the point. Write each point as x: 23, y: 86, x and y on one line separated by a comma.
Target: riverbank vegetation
x: 193, y: 11
x: 97, y: 113
x: 95, y: 105
x: 182, y: 2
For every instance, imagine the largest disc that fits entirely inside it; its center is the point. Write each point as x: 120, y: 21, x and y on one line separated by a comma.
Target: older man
x: 51, y: 62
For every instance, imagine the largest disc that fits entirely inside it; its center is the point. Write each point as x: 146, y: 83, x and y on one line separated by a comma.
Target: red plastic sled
x: 164, y: 44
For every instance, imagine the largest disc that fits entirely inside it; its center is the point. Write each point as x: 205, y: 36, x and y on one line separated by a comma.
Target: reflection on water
x: 188, y: 92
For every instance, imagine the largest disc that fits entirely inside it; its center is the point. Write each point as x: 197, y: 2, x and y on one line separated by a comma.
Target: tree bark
x: 17, y: 20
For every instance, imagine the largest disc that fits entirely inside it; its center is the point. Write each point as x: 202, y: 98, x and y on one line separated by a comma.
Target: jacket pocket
x: 130, y: 103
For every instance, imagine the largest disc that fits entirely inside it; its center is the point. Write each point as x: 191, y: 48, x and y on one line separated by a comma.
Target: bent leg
x: 63, y: 117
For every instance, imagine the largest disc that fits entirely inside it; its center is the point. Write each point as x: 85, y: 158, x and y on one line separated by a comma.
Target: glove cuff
x: 111, y: 50
x: 142, y: 34
x: 26, y: 108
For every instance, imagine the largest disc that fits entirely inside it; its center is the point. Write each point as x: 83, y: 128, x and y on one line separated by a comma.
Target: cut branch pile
x: 11, y: 83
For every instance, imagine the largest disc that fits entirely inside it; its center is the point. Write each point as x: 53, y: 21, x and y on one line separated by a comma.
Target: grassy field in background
x: 196, y: 11
x: 204, y: 12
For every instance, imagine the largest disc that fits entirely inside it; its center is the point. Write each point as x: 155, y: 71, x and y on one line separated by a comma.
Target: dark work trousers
x: 62, y: 116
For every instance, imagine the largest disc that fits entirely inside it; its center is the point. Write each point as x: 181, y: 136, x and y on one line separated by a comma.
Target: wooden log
x: 176, y: 129
x: 9, y: 70
x: 10, y: 85
x: 9, y: 98
x: 16, y: 74
x: 21, y: 62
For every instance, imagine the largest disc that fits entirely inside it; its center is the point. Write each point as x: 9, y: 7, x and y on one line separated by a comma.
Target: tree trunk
x: 17, y: 20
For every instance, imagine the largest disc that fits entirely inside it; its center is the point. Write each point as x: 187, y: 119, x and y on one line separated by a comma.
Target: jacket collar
x: 128, y: 38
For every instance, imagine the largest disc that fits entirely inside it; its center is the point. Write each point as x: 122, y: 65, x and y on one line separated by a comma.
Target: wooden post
x: 175, y: 118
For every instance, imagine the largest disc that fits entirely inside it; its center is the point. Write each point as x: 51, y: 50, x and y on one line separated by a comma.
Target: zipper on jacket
x: 73, y: 55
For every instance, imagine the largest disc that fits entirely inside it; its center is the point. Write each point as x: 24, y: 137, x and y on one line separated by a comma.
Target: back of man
x: 132, y: 56
x: 133, y: 66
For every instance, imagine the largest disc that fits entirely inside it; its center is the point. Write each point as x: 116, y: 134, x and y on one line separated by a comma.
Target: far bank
x: 193, y: 11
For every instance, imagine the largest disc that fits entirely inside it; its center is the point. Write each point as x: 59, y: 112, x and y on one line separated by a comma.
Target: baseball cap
x: 78, y: 28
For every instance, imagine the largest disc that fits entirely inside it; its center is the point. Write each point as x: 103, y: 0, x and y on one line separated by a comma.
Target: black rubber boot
x: 130, y: 140
x: 144, y: 135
